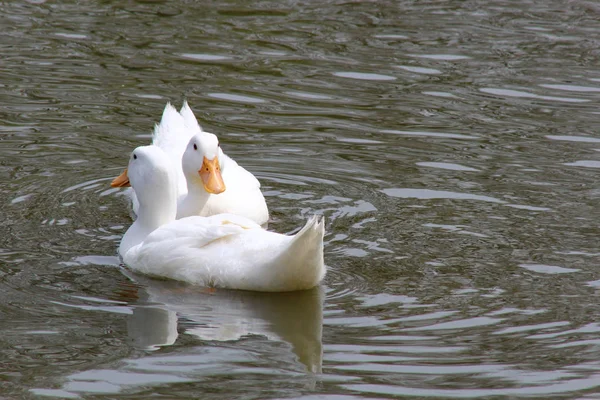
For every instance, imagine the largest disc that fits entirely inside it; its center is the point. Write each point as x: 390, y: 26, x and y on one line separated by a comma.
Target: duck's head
x: 200, y: 163
x: 149, y: 172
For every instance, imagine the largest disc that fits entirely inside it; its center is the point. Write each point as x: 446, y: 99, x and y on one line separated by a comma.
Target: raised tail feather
x: 304, y: 255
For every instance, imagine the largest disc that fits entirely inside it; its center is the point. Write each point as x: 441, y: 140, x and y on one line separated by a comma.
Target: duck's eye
x: 134, y: 157
x: 195, y: 146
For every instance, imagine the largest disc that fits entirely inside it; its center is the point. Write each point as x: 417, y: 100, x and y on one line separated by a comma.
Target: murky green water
x: 452, y: 146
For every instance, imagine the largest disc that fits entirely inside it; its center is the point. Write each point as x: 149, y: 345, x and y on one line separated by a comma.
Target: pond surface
x: 453, y: 148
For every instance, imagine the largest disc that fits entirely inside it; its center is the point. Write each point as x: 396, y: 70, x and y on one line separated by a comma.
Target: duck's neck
x: 194, y: 201
x: 154, y: 211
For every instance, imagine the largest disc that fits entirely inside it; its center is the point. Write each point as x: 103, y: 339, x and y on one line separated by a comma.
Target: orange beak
x: 210, y: 173
x: 121, y: 180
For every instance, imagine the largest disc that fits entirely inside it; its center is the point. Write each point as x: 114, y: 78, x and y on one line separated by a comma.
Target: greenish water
x: 453, y: 148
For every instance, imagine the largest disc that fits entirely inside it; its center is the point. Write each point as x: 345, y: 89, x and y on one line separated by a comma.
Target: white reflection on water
x: 364, y: 76
x: 225, y: 315
x: 441, y: 57
x: 571, y: 88
x: 547, y: 269
x: 449, y: 166
x: 527, y: 95
x: 566, y: 386
x: 436, y: 194
x: 430, y: 134
x: 584, y: 163
x: 420, y: 70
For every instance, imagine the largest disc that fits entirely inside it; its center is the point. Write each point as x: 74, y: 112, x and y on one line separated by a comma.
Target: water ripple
x: 567, y: 386
x: 527, y: 95
x: 436, y: 194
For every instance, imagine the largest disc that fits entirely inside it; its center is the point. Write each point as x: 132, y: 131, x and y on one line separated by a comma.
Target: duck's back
x: 232, y: 252
x: 171, y: 249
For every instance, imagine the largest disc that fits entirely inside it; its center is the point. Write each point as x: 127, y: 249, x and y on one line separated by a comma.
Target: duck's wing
x: 198, y: 231
x: 235, y: 174
x: 181, y: 249
x: 232, y: 219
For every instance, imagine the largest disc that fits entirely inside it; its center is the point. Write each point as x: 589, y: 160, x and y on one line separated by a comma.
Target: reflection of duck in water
x: 150, y: 327
x: 224, y: 315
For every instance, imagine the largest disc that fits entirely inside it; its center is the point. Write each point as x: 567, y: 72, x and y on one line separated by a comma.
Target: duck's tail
x: 304, y: 255
x: 167, y: 130
x: 189, y: 117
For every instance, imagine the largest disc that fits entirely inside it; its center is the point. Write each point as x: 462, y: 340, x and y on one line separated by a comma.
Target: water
x: 453, y: 148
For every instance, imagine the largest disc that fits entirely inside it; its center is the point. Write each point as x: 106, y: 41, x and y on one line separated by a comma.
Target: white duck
x: 243, y: 196
x: 201, y: 168
x: 224, y: 250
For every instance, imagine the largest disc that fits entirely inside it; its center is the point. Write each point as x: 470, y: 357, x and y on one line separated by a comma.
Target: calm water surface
x: 453, y: 148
